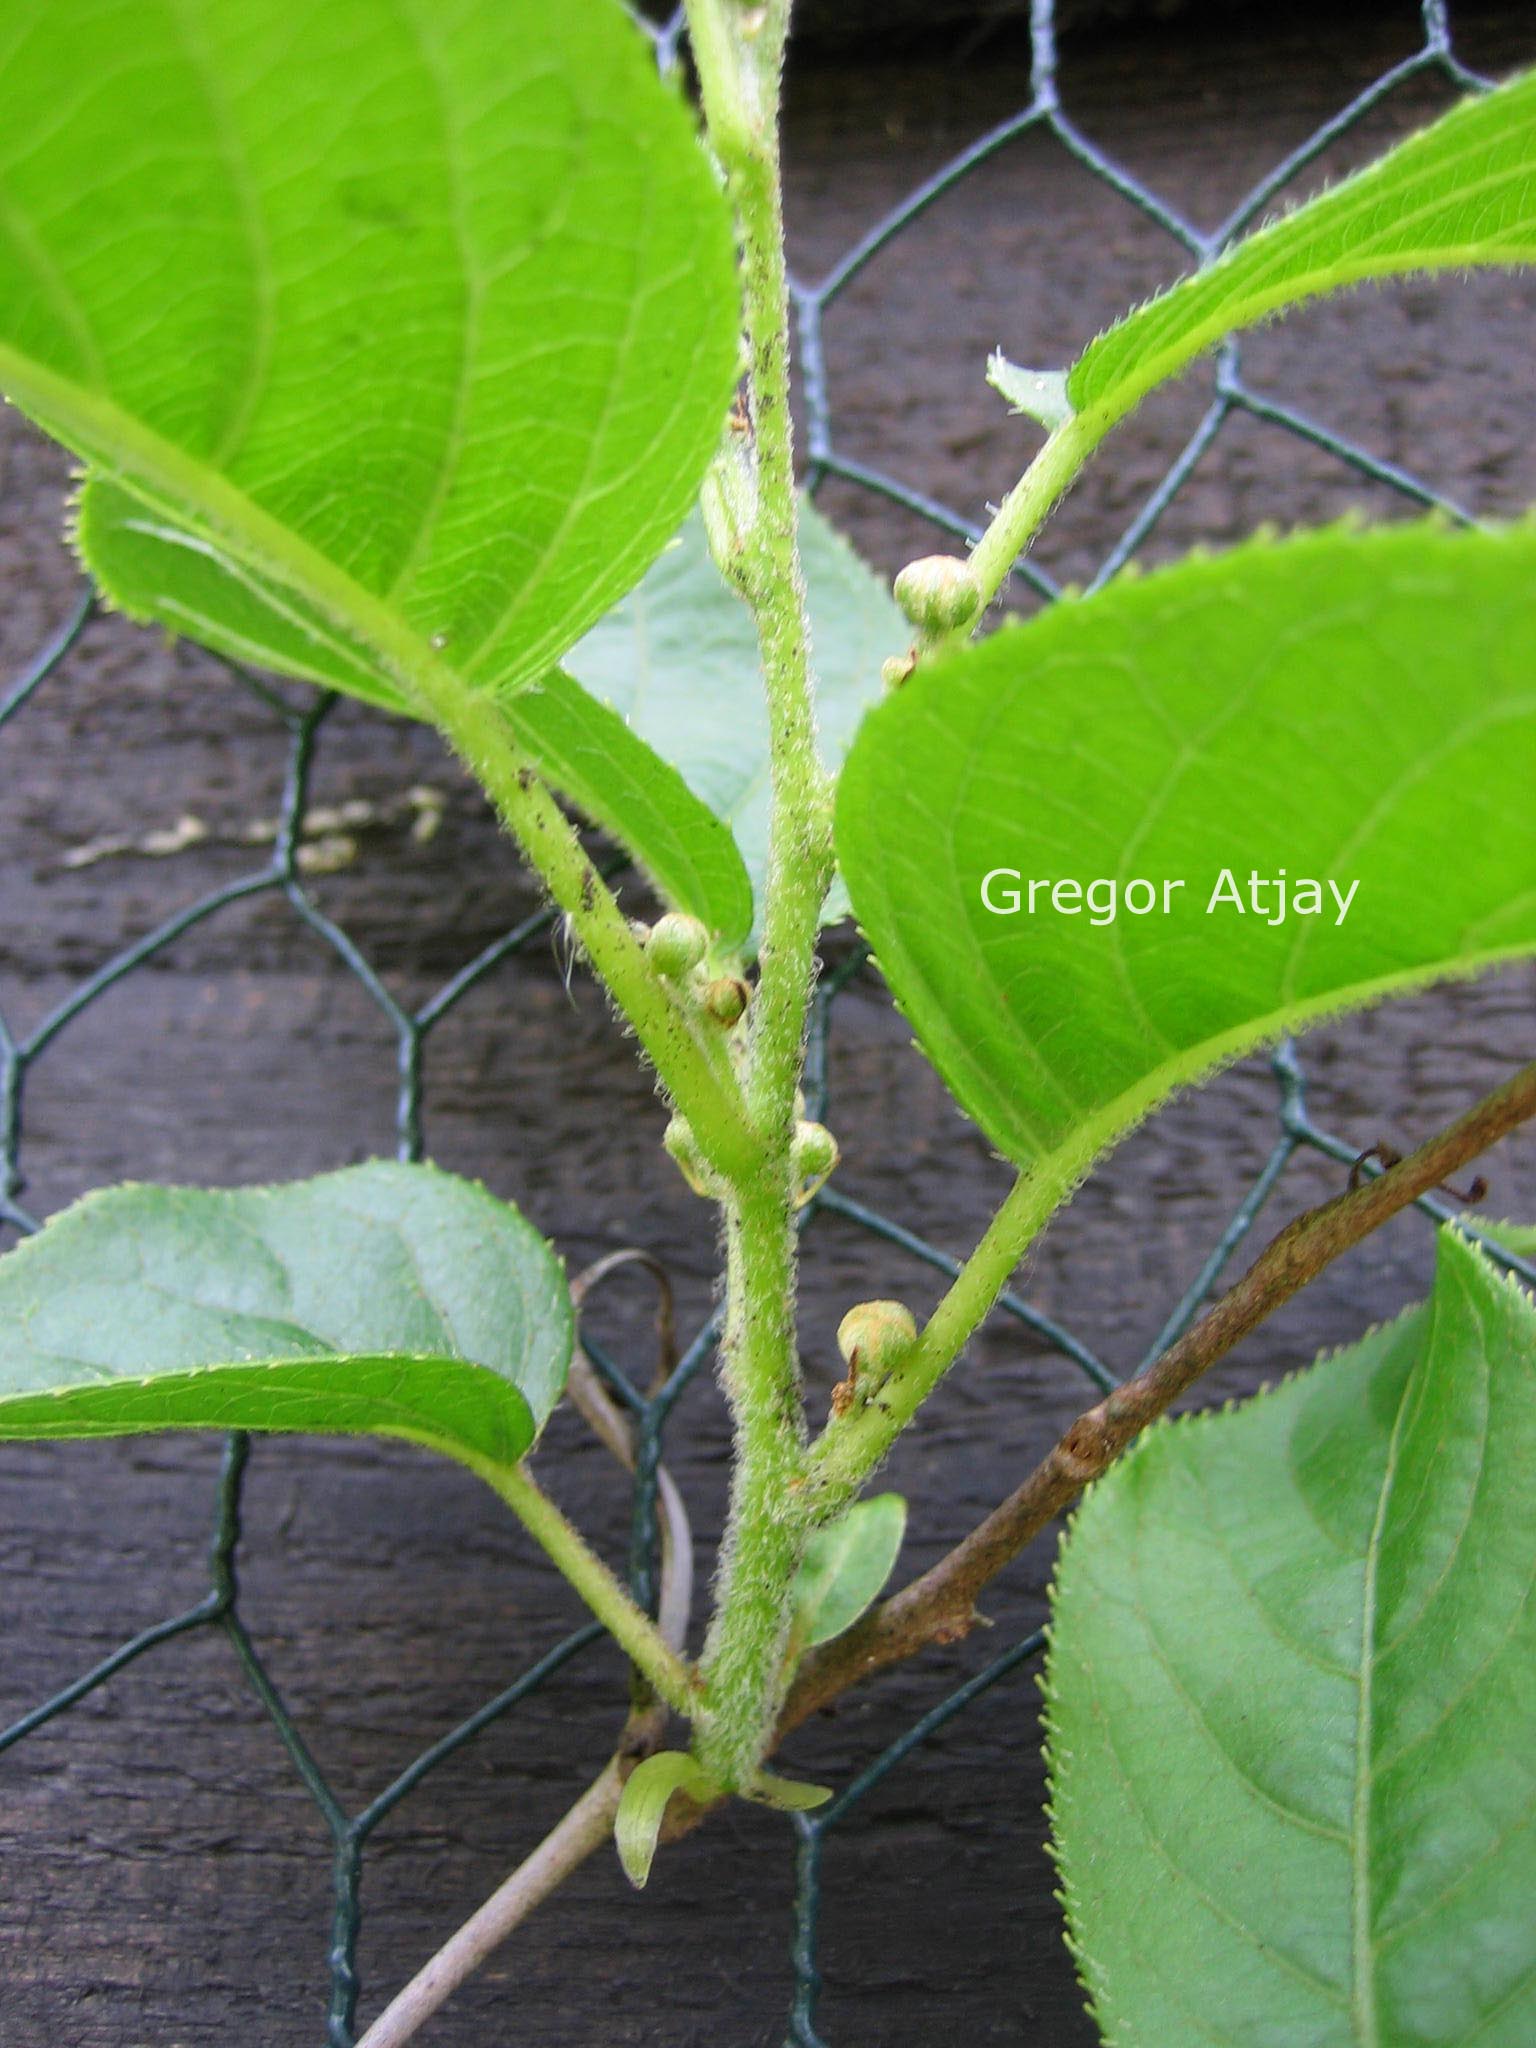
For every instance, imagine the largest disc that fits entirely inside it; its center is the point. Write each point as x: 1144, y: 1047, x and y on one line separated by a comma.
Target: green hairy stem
x: 740, y: 55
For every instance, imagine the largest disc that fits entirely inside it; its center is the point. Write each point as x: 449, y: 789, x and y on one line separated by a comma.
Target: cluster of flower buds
x: 677, y: 946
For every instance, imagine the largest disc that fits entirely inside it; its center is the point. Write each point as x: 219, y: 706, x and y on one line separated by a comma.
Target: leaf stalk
x: 634, y: 1632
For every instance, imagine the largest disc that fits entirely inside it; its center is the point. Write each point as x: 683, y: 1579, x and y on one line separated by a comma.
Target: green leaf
x: 1519, y: 1238
x: 1291, y: 1715
x: 649, y: 1788
x: 1038, y: 394
x: 587, y: 750
x: 1461, y: 192
x: 643, y: 1807
x: 393, y: 1300
x: 1353, y: 710
x: 787, y: 1795
x: 846, y: 1566
x: 677, y: 660
x: 398, y: 338
x: 581, y: 746
x: 665, y: 742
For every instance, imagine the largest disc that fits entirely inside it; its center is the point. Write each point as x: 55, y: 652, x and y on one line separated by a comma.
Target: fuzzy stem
x: 634, y: 1632
x: 1025, y: 509
x: 695, y: 1074
x: 853, y: 1444
x: 745, y: 1663
x: 740, y: 57
x: 688, y: 1055
x: 739, y: 53
x: 940, y: 1606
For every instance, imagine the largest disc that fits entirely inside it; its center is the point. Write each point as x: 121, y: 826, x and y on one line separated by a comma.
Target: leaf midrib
x: 415, y: 1426
x: 1362, y: 2003
x: 1169, y: 360
x: 150, y: 467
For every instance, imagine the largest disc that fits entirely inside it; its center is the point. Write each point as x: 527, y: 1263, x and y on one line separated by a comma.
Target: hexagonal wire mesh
x: 282, y: 876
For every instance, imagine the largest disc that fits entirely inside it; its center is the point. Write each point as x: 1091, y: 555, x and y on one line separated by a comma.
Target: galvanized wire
x: 301, y: 727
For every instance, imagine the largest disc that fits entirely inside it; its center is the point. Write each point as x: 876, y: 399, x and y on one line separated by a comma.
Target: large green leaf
x: 389, y: 1299
x: 1461, y: 192
x: 584, y: 748
x: 1291, y: 1710
x: 411, y: 324
x: 678, y: 662
x: 1354, y: 709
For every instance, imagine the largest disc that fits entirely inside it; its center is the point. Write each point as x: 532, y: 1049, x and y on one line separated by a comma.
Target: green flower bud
x: 895, y: 670
x: 725, y: 999
x: 875, y: 1337
x: 813, y: 1157
x: 938, y: 593
x: 676, y: 944
x: 679, y: 1141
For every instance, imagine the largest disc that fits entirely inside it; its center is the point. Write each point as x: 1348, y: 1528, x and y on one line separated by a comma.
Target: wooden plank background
x: 166, y: 1877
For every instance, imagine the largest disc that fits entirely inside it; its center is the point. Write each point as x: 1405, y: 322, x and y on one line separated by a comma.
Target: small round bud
x: 676, y: 944
x: 815, y: 1152
x: 938, y: 593
x: 875, y: 1337
x: 679, y: 1141
x: 895, y: 670
x: 725, y: 999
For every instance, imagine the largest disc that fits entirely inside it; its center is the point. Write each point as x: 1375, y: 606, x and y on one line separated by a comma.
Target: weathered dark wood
x: 165, y: 1874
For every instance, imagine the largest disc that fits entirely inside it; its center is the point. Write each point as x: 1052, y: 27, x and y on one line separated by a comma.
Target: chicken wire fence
x: 282, y: 876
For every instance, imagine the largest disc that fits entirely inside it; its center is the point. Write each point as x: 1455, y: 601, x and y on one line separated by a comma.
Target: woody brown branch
x: 941, y: 1605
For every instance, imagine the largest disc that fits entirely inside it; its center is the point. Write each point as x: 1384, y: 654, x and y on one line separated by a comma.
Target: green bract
x: 1292, y: 1723
x: 1350, y: 708
x: 846, y: 1566
x: 1462, y: 192
x: 397, y: 338
x: 394, y: 1300
x: 643, y: 1807
x: 648, y: 1792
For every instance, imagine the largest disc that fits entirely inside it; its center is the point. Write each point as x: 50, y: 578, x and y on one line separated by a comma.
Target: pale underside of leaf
x: 1461, y: 193
x: 1345, y: 708
x: 385, y: 1299
x: 678, y: 662
x: 1291, y: 1727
